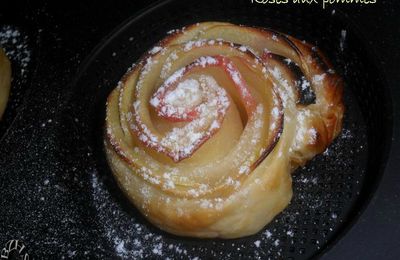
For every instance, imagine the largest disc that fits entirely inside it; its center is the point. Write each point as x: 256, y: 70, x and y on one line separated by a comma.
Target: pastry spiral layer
x: 203, y: 132
x: 5, y: 81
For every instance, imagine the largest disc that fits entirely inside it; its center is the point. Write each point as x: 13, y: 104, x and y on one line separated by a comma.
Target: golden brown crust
x: 238, y: 178
x: 5, y: 81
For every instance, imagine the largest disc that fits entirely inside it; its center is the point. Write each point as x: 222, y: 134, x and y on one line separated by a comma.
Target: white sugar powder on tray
x: 15, y: 44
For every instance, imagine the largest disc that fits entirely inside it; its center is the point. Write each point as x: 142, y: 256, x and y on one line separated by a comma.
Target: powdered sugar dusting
x: 343, y: 35
x: 183, y: 141
x: 187, y: 94
x: 318, y: 79
x: 305, y: 84
x: 130, y: 238
x: 155, y: 49
x: 285, y: 91
x: 15, y: 44
x: 302, y: 130
x: 192, y: 44
x: 168, y: 64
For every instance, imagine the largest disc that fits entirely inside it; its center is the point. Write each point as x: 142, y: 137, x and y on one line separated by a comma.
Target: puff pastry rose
x: 203, y: 133
x: 5, y: 81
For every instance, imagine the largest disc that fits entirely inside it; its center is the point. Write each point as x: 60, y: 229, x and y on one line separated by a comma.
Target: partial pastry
x: 204, y: 131
x: 5, y: 81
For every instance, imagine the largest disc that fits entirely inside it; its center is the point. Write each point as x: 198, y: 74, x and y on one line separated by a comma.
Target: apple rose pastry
x: 203, y: 133
x: 5, y: 81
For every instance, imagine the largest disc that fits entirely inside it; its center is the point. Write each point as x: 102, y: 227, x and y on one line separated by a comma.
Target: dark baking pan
x: 87, y: 216
x: 329, y: 192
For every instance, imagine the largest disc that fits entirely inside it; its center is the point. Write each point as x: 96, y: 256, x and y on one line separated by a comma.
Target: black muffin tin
x: 58, y: 195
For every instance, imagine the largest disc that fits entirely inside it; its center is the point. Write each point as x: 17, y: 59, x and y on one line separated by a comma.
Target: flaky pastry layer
x: 5, y: 81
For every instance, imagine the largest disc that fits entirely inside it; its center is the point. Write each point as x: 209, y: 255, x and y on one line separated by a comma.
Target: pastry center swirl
x: 186, y: 95
x: 190, y: 99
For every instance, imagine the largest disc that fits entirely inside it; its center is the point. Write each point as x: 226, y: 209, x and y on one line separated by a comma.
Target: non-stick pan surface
x: 75, y: 209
